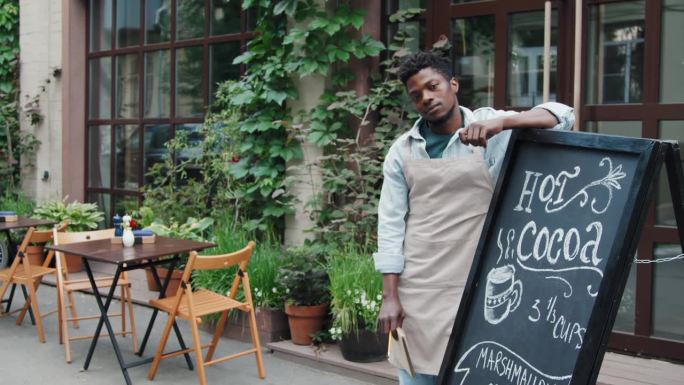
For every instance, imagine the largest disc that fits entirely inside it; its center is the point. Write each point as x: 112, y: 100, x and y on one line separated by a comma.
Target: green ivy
x: 12, y: 143
x: 346, y: 209
x: 264, y: 134
x: 9, y: 124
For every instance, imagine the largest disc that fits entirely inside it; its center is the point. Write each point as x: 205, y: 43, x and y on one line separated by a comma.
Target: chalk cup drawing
x: 503, y: 294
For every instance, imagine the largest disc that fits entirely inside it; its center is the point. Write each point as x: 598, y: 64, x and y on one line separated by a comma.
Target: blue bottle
x: 116, y: 222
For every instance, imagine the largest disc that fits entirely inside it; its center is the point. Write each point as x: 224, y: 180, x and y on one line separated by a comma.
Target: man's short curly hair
x: 423, y: 59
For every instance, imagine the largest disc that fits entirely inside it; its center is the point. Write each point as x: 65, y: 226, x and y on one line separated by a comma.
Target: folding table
x: 139, y: 256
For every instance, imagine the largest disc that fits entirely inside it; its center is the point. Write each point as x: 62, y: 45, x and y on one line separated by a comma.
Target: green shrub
x: 19, y: 203
x: 193, y: 229
x: 304, y: 277
x: 356, y: 293
x: 262, y: 269
x: 81, y: 216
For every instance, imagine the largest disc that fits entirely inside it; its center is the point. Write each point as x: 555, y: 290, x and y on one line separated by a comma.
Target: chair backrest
x: 82, y: 236
x: 34, y: 236
x: 44, y: 236
x: 61, y: 238
x: 222, y: 261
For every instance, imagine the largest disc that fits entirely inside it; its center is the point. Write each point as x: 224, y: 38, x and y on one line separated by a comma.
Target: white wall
x: 304, y: 171
x: 40, y: 42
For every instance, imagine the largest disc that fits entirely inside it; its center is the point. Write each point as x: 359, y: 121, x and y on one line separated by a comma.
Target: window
x: 668, y: 308
x: 473, y: 60
x: 664, y: 215
x: 672, y: 52
x: 415, y: 28
x: 615, y: 53
x: 526, y: 59
x: 153, y: 67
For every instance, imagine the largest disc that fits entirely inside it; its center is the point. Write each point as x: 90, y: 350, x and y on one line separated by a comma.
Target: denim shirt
x: 393, y: 205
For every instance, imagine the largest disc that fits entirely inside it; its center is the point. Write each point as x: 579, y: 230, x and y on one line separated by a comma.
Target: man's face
x: 433, y: 95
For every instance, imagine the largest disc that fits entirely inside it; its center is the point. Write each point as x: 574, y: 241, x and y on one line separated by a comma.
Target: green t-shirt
x: 434, y: 143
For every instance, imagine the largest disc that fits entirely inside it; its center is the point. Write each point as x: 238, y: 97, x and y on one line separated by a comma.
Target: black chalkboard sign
x: 552, y: 260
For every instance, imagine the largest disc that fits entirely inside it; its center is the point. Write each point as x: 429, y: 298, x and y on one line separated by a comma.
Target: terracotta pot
x: 35, y: 255
x: 271, y: 324
x: 174, y: 284
x: 364, y: 346
x: 305, y: 321
x: 74, y: 264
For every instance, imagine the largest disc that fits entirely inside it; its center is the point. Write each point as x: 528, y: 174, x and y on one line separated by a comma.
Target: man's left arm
x: 547, y: 115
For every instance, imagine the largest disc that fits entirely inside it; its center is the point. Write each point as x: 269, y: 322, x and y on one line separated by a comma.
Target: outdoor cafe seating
x: 185, y: 304
x: 66, y: 287
x: 191, y: 305
x: 29, y: 276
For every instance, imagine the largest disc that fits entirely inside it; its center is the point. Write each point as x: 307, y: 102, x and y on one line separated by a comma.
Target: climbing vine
x: 248, y: 138
x: 318, y: 41
x: 346, y: 209
x: 12, y: 143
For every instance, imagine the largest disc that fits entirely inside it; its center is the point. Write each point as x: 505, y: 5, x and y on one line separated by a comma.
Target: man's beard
x: 445, y: 118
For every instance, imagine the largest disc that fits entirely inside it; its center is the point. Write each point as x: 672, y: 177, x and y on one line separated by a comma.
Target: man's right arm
x: 389, y: 259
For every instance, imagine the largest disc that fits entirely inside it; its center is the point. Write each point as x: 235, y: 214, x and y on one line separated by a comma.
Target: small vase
x: 128, y: 239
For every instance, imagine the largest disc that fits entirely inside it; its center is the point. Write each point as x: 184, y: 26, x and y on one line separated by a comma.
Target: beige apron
x: 448, y: 203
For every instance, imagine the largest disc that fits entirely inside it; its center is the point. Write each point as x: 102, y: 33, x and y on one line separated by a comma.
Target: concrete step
x: 329, y: 358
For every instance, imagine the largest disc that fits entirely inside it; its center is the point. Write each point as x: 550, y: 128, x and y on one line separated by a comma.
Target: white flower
x: 274, y: 290
x: 379, y: 297
x: 287, y: 291
x: 373, y: 304
x: 348, y: 292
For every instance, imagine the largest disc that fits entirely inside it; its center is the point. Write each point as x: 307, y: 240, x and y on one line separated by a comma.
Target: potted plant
x: 356, y: 296
x: 80, y: 217
x: 192, y: 229
x: 23, y: 206
x: 305, y: 281
x: 267, y: 292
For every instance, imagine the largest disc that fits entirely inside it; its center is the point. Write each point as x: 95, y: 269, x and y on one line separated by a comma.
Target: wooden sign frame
x: 651, y: 154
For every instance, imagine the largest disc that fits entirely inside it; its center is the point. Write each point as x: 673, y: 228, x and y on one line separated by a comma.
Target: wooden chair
x: 191, y: 305
x: 66, y: 287
x: 21, y: 272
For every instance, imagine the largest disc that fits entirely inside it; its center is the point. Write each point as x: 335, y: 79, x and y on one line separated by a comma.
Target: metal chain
x: 660, y: 260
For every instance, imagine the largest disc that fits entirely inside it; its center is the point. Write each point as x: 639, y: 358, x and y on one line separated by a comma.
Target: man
x: 438, y: 183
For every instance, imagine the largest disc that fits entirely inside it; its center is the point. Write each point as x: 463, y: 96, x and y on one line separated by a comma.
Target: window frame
x: 650, y: 111
x: 140, y: 49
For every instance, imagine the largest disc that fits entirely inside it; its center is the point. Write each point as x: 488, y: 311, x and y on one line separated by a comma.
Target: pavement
x: 24, y: 360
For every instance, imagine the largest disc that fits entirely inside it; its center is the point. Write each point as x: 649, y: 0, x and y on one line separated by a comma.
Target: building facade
x: 126, y: 75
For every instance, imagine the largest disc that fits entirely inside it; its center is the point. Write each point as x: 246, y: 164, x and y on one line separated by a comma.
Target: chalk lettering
x: 547, y: 245
x: 500, y: 361
x: 528, y: 192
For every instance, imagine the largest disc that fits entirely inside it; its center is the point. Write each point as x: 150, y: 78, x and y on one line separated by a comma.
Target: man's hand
x: 477, y: 133
x: 391, y: 313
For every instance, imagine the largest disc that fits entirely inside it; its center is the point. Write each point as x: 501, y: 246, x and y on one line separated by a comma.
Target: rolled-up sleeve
x: 564, y: 114
x: 392, y: 210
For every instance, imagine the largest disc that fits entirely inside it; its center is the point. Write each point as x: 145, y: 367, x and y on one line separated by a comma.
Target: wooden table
x: 126, y: 259
x: 5, y: 227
